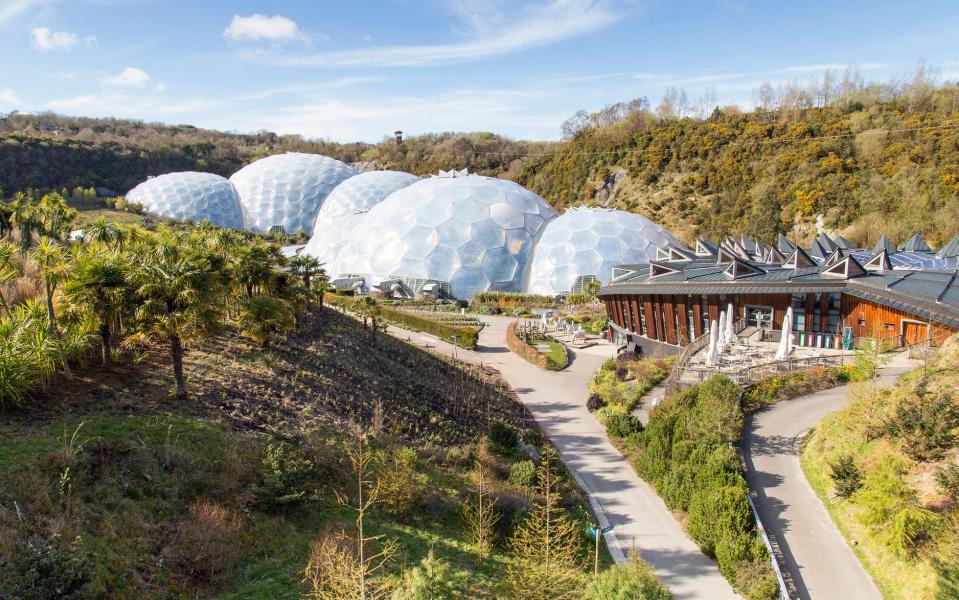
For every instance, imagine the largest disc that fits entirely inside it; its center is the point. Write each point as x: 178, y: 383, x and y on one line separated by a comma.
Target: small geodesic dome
x: 190, y: 196
x: 347, y: 205
x: 287, y: 190
x: 588, y: 242
x: 474, y: 233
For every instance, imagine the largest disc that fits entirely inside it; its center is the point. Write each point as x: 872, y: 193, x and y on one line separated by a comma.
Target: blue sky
x: 357, y: 70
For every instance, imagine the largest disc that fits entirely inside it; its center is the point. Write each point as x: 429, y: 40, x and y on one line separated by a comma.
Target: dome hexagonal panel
x: 347, y: 205
x: 287, y: 190
x: 591, y: 241
x: 190, y: 196
x: 473, y: 232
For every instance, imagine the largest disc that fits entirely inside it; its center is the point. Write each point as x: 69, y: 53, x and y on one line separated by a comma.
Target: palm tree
x: 178, y: 293
x: 305, y: 267
x: 23, y: 215
x: 54, y: 216
x: 253, y: 266
x: 368, y: 309
x: 102, y: 232
x: 262, y: 317
x: 54, y: 264
x: 8, y: 270
x: 100, y: 285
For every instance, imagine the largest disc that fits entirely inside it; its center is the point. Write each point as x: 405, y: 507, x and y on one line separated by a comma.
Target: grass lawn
x: 557, y: 357
x: 85, y: 217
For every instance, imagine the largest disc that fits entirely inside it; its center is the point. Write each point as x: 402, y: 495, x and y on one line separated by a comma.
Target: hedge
x: 520, y: 347
x: 465, y: 337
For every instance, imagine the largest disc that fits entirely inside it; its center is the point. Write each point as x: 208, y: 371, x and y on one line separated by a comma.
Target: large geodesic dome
x: 588, y: 242
x: 287, y: 190
x: 347, y: 205
x: 474, y: 233
x: 190, y: 196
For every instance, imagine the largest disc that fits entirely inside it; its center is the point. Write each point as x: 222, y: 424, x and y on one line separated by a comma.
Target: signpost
x: 596, y: 532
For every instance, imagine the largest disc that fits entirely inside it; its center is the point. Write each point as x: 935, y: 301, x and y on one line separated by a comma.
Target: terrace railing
x: 754, y: 373
x: 673, y: 380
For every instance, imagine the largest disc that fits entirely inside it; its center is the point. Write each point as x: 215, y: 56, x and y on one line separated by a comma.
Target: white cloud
x: 44, y: 39
x: 11, y: 9
x: 489, y: 31
x: 263, y: 28
x: 8, y: 98
x: 130, y: 77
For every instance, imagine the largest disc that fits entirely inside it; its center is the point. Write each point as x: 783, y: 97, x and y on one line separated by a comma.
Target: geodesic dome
x: 584, y: 242
x: 347, y: 205
x: 472, y: 232
x: 190, y: 196
x: 287, y: 190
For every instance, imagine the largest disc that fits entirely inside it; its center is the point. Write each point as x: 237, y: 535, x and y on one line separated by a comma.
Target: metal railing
x: 773, y: 555
x: 681, y: 362
x: 754, y: 373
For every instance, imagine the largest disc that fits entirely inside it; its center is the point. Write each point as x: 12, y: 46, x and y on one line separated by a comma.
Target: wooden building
x: 837, y: 293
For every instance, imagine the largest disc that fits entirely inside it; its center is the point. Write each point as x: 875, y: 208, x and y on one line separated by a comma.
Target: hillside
x: 868, y: 163
x: 885, y: 467
x: 860, y: 160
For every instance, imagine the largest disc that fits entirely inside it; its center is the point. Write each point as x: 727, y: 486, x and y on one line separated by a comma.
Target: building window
x: 817, y: 313
x: 690, y: 318
x: 642, y: 320
x: 833, y: 316
x: 704, y: 313
x: 798, y: 304
x: 662, y: 322
x: 676, y: 323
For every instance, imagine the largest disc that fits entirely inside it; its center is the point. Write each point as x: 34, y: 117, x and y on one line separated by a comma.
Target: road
x: 814, y: 552
x: 557, y: 400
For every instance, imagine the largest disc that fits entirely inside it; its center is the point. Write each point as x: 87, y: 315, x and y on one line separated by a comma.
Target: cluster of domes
x: 474, y: 233
x: 455, y: 232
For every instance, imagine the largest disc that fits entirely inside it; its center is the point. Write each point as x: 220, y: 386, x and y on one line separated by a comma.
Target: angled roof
x: 886, y: 243
x: 915, y: 244
x: 950, y: 250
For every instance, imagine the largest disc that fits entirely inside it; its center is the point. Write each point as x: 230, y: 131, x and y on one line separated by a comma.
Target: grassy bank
x: 884, y: 467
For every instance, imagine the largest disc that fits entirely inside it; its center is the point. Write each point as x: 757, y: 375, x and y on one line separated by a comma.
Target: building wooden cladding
x: 678, y: 319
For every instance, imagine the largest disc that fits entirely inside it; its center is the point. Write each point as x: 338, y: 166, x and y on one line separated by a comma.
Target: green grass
x: 85, y: 217
x: 556, y: 357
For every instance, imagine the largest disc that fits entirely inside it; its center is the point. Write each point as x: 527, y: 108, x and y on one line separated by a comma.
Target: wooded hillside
x: 859, y: 159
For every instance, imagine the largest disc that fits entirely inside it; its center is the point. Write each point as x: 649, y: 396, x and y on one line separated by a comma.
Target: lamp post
x: 454, y: 337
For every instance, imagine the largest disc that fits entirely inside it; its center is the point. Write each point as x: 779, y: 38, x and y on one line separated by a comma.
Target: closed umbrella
x: 785, y: 341
x: 712, y: 356
x: 730, y: 332
x: 721, y: 332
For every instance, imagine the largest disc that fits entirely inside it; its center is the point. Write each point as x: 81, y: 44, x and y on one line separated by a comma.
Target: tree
x: 368, y: 308
x: 263, y: 316
x: 480, y: 514
x: 102, y: 232
x: 178, y: 291
x: 634, y: 580
x: 305, y: 267
x: 23, y: 214
x: 547, y: 545
x: 8, y: 270
x: 54, y: 264
x: 253, y: 266
x: 99, y: 284
x: 430, y: 580
x: 54, y: 217
x: 342, y: 567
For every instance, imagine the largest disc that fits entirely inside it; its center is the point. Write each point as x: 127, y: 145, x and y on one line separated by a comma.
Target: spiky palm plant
x: 100, y: 286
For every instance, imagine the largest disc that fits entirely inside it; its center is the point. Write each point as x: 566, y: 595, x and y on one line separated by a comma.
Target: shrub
x: 430, y: 580
x: 948, y: 479
x: 910, y: 528
x: 284, y: 470
x: 717, y: 417
x: 622, y: 425
x: 207, y: 539
x: 524, y: 350
x: 718, y: 517
x: 927, y: 427
x: 43, y: 570
x: 845, y: 476
x: 523, y: 473
x: 401, y: 487
x: 634, y: 580
x: 503, y: 436
x: 533, y: 437
x: 947, y: 576
x: 595, y: 402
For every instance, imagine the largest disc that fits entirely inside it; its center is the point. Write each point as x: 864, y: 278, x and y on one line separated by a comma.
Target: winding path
x: 557, y: 402
x: 812, y: 550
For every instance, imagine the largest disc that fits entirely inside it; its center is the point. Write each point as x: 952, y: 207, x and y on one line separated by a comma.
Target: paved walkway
x: 557, y: 400
x: 814, y: 552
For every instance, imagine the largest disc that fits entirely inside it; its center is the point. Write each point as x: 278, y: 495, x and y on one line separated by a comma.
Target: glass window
x: 690, y: 318
x: 676, y: 323
x: 642, y: 320
x: 817, y: 313
x: 833, y: 315
x: 798, y: 304
x: 704, y: 313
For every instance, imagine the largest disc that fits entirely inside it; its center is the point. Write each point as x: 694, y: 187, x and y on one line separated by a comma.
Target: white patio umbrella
x: 786, y: 340
x: 721, y: 332
x: 730, y: 332
x: 712, y: 356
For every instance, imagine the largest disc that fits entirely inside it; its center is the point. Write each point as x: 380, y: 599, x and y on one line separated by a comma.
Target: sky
x: 357, y: 70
